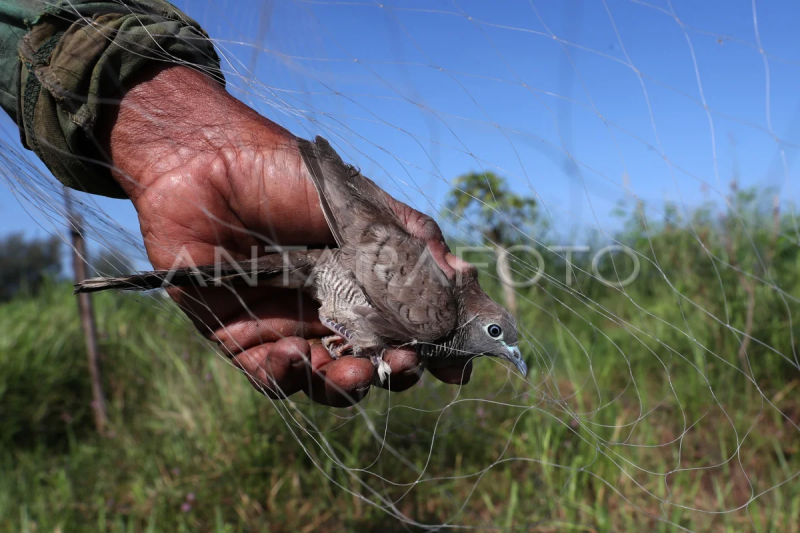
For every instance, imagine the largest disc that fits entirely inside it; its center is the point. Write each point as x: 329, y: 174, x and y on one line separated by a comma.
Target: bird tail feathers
x: 288, y: 269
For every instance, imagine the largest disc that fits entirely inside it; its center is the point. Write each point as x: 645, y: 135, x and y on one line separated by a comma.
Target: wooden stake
x: 86, y: 311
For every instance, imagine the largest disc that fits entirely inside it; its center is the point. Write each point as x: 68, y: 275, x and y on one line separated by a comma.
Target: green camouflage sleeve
x: 63, y: 62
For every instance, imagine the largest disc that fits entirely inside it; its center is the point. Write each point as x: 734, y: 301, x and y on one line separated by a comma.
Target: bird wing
x: 321, y: 161
x: 411, y: 296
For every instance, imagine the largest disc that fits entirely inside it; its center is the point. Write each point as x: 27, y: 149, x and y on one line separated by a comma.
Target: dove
x: 390, y: 283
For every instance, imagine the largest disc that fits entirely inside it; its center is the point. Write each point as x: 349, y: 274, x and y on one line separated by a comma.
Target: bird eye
x: 494, y: 331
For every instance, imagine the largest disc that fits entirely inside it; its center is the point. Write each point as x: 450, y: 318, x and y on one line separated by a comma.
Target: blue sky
x: 579, y: 102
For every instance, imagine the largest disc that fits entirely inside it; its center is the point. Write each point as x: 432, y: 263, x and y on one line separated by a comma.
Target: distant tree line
x: 28, y: 263
x: 25, y: 264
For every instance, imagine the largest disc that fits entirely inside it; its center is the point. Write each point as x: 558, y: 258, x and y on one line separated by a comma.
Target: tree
x: 25, y: 264
x: 484, y: 202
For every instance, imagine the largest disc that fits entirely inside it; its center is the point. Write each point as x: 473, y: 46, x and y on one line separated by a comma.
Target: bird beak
x: 515, y: 356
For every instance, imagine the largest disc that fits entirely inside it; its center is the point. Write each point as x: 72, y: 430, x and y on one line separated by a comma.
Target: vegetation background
x: 649, y: 410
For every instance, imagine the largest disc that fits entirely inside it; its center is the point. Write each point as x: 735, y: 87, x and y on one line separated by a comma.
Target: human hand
x: 207, y: 173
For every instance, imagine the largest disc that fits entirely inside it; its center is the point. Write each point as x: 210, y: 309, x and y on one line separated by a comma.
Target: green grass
x: 617, y: 378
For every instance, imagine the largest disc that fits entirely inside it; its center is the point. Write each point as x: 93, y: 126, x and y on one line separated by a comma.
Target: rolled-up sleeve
x: 64, y: 63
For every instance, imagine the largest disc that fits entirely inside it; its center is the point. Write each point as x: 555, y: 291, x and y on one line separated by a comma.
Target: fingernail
x: 413, y: 371
x: 361, y: 390
x: 300, y: 363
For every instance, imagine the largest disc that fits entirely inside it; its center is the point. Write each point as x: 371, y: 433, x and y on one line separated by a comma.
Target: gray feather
x: 294, y: 266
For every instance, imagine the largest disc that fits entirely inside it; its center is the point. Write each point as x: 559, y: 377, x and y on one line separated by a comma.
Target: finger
x: 406, y: 368
x: 347, y: 380
x: 281, y: 314
x: 315, y: 388
x: 338, y: 383
x: 451, y: 371
x: 211, y: 307
x: 278, y: 369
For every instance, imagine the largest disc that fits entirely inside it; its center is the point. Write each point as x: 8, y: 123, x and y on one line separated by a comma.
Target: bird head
x: 491, y: 329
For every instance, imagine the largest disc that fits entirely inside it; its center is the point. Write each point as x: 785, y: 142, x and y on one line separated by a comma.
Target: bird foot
x: 383, y: 368
x: 336, y: 345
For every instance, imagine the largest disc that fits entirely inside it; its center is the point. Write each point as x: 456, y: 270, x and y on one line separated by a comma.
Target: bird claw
x: 336, y: 345
x: 383, y: 368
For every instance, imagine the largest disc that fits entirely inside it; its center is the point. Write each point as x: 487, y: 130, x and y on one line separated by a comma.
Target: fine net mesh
x: 636, y: 161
